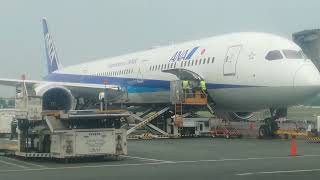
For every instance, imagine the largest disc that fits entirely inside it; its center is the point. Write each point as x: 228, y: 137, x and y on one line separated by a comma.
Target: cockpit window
x: 274, y: 55
x: 292, y: 54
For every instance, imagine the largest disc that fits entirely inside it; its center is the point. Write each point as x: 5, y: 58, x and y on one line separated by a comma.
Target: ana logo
x: 183, y: 54
x: 50, y: 49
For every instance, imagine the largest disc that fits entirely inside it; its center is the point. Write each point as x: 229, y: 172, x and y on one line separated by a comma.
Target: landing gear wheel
x: 263, y: 131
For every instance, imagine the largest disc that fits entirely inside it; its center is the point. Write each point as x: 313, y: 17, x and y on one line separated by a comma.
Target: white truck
x: 66, y: 135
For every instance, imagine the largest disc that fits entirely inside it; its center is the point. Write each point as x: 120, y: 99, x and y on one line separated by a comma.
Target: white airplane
x: 244, y: 72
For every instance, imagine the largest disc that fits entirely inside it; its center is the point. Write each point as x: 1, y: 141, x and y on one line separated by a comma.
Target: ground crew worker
x: 185, y: 86
x: 203, y: 86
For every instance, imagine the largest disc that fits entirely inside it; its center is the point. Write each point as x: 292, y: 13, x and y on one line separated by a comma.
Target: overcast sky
x: 84, y: 30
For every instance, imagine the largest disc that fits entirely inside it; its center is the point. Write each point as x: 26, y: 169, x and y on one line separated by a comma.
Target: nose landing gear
x: 270, y: 126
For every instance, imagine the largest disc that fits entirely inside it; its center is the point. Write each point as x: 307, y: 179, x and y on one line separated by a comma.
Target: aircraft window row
x: 197, y: 62
x: 116, y: 73
x: 289, y: 54
x: 183, y: 64
x: 163, y: 66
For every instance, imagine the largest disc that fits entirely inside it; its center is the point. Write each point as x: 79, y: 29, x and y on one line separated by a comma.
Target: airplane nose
x: 307, y: 76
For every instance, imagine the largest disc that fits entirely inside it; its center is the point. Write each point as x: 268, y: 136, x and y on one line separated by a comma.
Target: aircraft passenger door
x: 230, y: 60
x: 142, y: 67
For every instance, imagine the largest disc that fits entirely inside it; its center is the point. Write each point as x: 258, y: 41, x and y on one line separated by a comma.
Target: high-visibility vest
x: 203, y: 85
x: 185, y: 84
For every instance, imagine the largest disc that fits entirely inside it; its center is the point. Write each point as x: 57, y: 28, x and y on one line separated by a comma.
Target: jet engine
x: 55, y: 97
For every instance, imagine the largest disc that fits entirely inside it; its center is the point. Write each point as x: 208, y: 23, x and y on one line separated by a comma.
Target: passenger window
x: 181, y: 64
x: 189, y: 63
x: 192, y: 62
x: 175, y: 64
x: 208, y: 61
x: 196, y: 62
x: 212, y: 60
x: 200, y: 61
x: 204, y: 60
x: 274, y: 55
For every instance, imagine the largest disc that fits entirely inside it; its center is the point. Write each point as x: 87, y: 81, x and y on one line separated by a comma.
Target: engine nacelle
x: 235, y: 116
x: 55, y: 97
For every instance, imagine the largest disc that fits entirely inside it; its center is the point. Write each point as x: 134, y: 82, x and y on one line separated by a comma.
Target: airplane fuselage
x: 238, y: 71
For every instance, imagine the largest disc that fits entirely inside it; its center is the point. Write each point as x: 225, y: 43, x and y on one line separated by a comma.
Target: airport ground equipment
x: 65, y: 135
x: 176, y: 118
x: 313, y: 139
x: 318, y: 125
x: 184, y: 102
x: 225, y: 129
x: 6, y: 118
x: 147, y: 120
x: 291, y: 133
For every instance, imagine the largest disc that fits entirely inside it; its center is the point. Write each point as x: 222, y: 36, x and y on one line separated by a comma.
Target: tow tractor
x: 66, y: 135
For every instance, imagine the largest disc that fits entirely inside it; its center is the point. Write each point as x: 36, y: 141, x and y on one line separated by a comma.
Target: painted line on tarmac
x: 158, y: 163
x: 27, y: 163
x: 13, y: 164
x: 278, y: 172
x: 245, y: 159
x: 80, y: 167
x: 144, y: 159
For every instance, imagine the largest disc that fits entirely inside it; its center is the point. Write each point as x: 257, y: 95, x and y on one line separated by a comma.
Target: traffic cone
x: 293, y: 147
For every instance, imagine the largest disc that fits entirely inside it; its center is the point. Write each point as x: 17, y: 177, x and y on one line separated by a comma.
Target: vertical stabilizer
x: 52, y: 57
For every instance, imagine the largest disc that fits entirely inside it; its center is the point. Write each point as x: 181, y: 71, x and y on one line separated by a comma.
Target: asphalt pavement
x: 197, y: 158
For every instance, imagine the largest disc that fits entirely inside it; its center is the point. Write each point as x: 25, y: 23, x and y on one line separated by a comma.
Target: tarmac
x: 196, y: 158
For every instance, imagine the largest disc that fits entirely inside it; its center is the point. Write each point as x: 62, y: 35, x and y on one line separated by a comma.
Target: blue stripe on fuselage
x: 133, y: 85
x: 192, y: 52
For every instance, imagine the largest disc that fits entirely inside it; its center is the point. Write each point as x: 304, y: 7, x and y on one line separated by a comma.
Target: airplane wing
x: 15, y: 82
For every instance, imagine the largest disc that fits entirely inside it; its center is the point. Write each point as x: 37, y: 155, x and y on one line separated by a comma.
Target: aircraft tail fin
x: 51, y: 53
